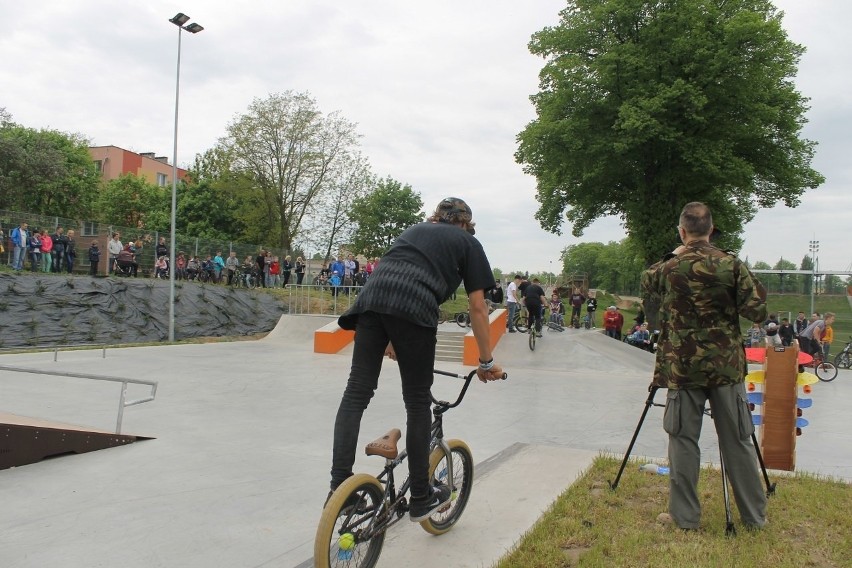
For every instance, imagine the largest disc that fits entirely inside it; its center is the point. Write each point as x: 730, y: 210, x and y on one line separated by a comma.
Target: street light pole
x: 180, y: 21
x: 813, y: 247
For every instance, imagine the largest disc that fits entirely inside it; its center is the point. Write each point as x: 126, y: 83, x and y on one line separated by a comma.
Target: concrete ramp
x: 574, y: 350
x: 25, y: 440
x: 297, y: 330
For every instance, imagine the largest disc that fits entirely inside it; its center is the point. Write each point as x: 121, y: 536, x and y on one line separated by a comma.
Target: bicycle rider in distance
x: 396, y: 314
x: 535, y: 301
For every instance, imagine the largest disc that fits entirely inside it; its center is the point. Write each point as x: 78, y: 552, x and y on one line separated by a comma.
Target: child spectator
x: 192, y: 267
x: 161, y: 268
x: 218, y: 265
x: 231, y: 265
x: 557, y: 309
x: 180, y: 268
x: 35, y: 250
x: 209, y: 268
x: 335, y: 283
x: 274, y: 270
x: 755, y: 336
x: 94, y: 258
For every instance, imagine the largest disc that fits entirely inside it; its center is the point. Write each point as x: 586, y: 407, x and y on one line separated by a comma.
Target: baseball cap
x: 453, y: 206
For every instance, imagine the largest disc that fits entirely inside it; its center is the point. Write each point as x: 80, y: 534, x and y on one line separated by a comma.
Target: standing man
x: 59, y: 241
x: 591, y: 308
x: 800, y: 324
x: 396, y: 314
x: 512, y: 302
x: 70, y: 251
x: 577, y: 300
x: 114, y: 247
x: 495, y: 294
x: 699, y: 293
x: 20, y: 238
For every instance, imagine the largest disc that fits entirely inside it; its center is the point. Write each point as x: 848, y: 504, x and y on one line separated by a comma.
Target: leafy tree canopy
x: 130, y: 201
x: 383, y: 214
x: 286, y: 153
x: 645, y: 106
x: 45, y: 172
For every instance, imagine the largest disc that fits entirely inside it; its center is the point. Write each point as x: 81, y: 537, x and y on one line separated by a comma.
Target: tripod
x: 729, y: 523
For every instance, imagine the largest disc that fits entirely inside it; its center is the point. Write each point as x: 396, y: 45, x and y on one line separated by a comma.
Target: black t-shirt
x: 533, y: 294
x: 423, y: 268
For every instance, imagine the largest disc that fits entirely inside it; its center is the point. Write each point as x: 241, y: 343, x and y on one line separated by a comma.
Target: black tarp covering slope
x: 46, y: 309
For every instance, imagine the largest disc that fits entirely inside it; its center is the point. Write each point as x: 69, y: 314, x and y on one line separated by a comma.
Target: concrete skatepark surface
x: 238, y: 472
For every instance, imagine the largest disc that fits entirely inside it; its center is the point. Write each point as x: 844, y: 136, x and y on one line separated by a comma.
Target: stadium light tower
x: 813, y: 247
x: 180, y: 20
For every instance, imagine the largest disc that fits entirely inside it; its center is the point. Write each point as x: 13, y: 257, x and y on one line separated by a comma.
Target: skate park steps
x: 25, y: 440
x: 450, y: 346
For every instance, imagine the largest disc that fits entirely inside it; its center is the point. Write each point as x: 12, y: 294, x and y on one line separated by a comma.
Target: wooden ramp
x: 25, y: 440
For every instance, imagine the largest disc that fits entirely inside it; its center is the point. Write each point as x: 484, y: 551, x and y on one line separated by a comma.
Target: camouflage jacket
x: 696, y: 299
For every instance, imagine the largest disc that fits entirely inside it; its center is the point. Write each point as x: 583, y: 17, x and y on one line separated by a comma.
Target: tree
x: 288, y: 152
x: 645, y: 106
x: 383, y: 215
x: 45, y: 172
x: 807, y: 264
x: 130, y: 201
x: 332, y: 214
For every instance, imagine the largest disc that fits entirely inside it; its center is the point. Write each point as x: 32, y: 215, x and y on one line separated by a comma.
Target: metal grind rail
x: 122, y: 401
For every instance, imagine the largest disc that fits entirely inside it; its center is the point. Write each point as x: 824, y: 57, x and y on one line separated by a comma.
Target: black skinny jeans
x: 415, y: 352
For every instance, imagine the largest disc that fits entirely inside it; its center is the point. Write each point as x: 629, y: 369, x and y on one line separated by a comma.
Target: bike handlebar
x: 467, y: 378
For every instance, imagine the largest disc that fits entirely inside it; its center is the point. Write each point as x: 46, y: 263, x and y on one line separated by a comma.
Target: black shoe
x: 423, y: 508
x: 513, y: 330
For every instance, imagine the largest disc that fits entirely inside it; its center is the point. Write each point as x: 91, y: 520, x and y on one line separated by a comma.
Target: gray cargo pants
x: 682, y: 421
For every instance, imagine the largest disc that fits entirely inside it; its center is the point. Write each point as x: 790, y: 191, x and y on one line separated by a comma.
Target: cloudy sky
x: 439, y: 91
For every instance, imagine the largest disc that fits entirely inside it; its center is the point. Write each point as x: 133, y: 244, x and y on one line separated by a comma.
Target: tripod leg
x: 652, y: 390
x: 730, y: 530
x: 770, y: 487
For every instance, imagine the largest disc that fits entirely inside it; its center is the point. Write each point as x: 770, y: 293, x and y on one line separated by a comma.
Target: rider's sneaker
x: 423, y: 508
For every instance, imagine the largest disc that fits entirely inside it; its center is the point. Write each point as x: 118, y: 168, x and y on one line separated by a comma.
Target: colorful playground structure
x: 780, y: 419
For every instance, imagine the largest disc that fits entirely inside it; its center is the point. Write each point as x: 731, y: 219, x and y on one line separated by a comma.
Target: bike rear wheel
x: 462, y: 319
x: 520, y: 324
x: 341, y: 536
x: 826, y: 372
x: 843, y: 360
x: 442, y: 521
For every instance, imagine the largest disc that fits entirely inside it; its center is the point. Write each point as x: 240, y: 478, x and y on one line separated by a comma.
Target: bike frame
x: 393, y: 499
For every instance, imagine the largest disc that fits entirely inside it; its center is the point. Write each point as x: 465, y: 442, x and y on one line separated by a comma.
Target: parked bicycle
x: 843, y: 360
x: 356, y: 518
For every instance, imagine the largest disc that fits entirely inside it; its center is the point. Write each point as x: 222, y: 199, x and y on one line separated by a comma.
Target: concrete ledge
x: 331, y: 338
x: 497, y: 323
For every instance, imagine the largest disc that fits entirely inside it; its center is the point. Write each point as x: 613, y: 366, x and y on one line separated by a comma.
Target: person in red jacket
x: 611, y: 325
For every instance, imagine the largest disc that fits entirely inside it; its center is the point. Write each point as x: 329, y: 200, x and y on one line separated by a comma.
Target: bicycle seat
x: 385, y: 446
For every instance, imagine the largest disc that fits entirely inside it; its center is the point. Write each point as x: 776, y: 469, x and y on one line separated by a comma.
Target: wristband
x: 486, y: 365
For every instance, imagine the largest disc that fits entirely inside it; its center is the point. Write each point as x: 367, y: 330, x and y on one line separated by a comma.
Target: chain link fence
x: 88, y: 232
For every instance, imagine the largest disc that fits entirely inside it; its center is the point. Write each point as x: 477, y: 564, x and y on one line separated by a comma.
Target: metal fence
x: 87, y: 232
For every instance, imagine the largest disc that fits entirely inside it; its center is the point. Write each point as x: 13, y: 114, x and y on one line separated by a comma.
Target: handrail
x: 57, y: 348
x: 122, y: 401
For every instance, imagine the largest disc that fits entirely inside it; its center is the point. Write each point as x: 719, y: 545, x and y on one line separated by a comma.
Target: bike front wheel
x: 826, y: 372
x: 843, y: 360
x: 532, y: 338
x: 343, y: 537
x: 521, y: 324
x: 462, y: 460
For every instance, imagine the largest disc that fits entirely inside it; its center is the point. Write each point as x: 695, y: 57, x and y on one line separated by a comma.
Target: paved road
x: 238, y: 472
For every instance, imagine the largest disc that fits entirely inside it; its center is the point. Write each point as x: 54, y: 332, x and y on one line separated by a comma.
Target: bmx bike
x: 843, y: 360
x: 355, y: 519
x: 824, y: 370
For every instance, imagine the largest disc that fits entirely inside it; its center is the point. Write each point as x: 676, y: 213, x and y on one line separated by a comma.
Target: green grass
x: 591, y: 525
